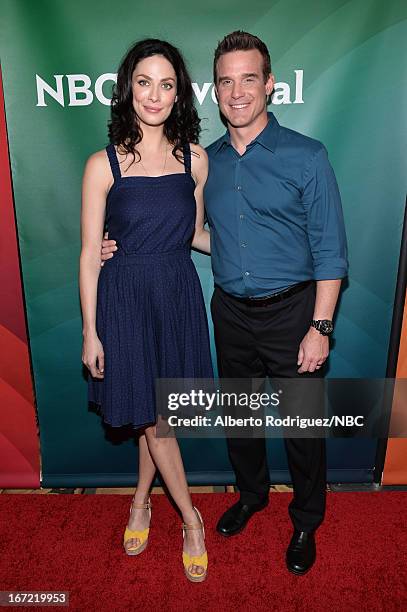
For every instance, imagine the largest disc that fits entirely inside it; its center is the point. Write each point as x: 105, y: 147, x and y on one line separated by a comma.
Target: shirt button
x: 247, y: 273
x: 239, y: 187
x: 244, y: 244
x: 241, y: 216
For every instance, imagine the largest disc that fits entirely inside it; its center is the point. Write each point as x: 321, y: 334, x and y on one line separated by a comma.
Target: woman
x: 143, y: 312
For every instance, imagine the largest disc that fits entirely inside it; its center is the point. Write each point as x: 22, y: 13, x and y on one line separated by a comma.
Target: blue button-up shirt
x: 274, y: 213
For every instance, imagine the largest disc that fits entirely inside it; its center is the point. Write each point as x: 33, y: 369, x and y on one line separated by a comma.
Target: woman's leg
x: 167, y: 457
x: 140, y: 518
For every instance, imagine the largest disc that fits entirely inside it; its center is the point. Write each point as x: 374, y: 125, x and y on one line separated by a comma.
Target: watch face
x: 326, y: 327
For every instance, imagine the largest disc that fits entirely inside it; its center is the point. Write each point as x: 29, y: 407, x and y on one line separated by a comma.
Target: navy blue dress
x: 150, y: 316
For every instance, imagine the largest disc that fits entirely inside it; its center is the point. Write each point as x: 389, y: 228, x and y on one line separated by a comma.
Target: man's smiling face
x: 240, y: 87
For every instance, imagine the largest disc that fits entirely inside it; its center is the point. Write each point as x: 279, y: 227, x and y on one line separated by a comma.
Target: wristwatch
x: 324, y: 326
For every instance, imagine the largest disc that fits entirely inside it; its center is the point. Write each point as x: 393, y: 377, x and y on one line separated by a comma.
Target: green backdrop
x: 348, y: 56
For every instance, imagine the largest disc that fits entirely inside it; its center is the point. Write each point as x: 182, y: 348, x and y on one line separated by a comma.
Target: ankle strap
x: 189, y: 526
x: 145, y: 506
x: 194, y: 525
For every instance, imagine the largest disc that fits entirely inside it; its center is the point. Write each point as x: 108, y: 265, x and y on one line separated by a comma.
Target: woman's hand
x: 93, y: 356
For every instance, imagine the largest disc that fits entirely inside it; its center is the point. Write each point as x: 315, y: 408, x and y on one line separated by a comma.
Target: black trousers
x: 255, y: 342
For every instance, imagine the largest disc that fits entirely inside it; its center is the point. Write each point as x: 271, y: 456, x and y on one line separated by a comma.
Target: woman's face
x: 154, y: 84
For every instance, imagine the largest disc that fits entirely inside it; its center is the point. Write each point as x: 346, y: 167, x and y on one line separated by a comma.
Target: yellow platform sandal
x: 190, y: 560
x: 142, y: 535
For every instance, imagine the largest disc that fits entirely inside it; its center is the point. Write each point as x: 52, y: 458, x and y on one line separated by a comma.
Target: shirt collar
x: 223, y: 140
x: 268, y: 137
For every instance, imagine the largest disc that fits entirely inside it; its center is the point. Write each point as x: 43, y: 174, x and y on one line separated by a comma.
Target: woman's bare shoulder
x: 98, y: 158
x: 199, y: 151
x: 98, y: 163
x: 199, y: 158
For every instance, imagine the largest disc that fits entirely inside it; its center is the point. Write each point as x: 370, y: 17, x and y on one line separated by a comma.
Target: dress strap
x: 187, y: 158
x: 114, y: 162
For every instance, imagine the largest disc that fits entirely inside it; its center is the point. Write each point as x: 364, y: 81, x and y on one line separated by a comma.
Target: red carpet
x: 73, y: 543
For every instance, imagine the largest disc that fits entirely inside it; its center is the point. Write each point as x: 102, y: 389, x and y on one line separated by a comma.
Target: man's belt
x: 269, y: 299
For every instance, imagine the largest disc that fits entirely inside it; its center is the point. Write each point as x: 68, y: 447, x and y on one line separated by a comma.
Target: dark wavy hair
x: 242, y: 41
x: 183, y: 124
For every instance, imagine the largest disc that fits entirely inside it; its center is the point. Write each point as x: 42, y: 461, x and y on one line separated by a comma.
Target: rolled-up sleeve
x: 325, y: 223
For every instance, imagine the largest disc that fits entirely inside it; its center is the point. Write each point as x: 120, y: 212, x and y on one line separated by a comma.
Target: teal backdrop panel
x: 340, y: 78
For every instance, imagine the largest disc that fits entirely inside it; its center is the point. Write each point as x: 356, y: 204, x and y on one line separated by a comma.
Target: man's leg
x: 279, y: 336
x: 307, y: 465
x: 238, y: 358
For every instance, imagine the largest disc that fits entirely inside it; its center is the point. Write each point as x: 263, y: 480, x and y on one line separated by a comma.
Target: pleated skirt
x: 152, y: 323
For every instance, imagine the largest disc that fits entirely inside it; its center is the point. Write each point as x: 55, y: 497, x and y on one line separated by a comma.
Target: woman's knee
x: 156, y: 439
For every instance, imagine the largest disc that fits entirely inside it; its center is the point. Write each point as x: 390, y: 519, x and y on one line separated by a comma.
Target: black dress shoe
x: 234, y: 520
x: 301, y: 552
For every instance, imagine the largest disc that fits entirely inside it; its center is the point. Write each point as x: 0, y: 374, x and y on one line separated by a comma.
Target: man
x: 278, y: 249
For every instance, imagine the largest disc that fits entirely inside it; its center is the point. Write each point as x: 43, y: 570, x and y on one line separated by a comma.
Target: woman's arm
x: 201, y: 239
x: 95, y: 185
